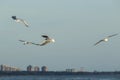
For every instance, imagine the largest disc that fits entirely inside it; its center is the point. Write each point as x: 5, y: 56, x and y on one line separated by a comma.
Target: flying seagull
x: 20, y: 20
x: 46, y: 40
x: 25, y: 42
x: 105, y: 39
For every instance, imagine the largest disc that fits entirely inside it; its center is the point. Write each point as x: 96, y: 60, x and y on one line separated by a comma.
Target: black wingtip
x: 45, y: 36
x: 13, y: 17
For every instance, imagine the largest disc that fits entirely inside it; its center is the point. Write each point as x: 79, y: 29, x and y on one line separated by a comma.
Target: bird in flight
x: 25, y: 42
x: 105, y: 39
x: 20, y: 20
x: 46, y: 40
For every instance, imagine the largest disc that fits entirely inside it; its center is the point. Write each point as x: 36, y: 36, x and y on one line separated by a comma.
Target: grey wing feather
x: 98, y: 42
x: 24, y: 22
x: 112, y: 35
x: 44, y: 43
x: 35, y: 44
x: 21, y: 40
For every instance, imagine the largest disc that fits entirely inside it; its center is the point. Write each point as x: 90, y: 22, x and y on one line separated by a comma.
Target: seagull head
x: 106, y: 39
x: 53, y: 40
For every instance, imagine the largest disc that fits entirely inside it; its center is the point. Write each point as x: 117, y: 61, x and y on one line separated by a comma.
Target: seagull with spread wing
x: 105, y: 39
x: 20, y: 20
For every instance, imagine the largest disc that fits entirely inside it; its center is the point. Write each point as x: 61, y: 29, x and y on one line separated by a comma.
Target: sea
x: 63, y: 77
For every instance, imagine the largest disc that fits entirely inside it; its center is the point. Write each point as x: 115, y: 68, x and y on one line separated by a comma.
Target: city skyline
x: 74, y: 24
x: 5, y: 68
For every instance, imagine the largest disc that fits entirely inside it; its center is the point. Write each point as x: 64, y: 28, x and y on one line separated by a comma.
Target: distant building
x: 29, y: 68
x: 70, y: 70
x: 5, y: 68
x: 44, y: 69
x: 36, y: 68
x: 2, y: 67
x: 82, y: 69
x: 8, y: 68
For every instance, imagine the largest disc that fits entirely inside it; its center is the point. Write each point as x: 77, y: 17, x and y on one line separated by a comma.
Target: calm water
x: 60, y: 77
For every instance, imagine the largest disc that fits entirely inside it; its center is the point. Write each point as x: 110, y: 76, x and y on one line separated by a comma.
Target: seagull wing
x: 35, y: 44
x: 45, y: 36
x: 22, y: 40
x: 98, y: 42
x: 44, y: 43
x: 30, y: 42
x: 112, y: 35
x: 26, y: 41
x: 24, y: 22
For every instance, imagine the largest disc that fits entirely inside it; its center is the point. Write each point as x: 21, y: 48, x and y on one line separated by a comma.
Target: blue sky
x: 75, y: 25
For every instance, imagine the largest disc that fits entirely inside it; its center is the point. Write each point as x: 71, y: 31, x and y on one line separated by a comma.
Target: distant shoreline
x: 24, y: 73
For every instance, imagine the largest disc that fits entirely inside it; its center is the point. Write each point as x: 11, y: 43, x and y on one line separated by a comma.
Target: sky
x: 76, y: 25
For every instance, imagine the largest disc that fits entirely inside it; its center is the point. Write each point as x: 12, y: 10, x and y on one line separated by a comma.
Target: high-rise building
x: 2, y: 67
x: 29, y: 68
x: 44, y: 69
x: 36, y: 68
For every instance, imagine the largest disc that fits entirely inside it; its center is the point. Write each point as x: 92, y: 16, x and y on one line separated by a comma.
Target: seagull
x: 20, y: 20
x: 25, y: 42
x: 46, y: 40
x: 105, y: 39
